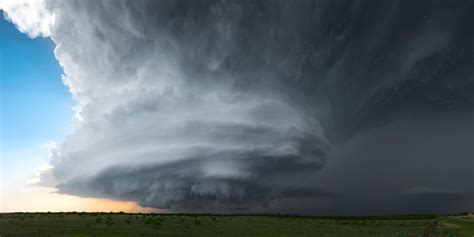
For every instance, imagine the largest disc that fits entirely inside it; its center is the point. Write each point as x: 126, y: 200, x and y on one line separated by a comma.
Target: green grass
x: 455, y: 226
x: 122, y: 224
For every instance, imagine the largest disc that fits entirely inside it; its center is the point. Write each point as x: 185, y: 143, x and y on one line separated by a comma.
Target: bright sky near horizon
x: 35, y: 112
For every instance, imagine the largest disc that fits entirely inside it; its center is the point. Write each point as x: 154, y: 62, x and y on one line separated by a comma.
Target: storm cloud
x: 334, y: 107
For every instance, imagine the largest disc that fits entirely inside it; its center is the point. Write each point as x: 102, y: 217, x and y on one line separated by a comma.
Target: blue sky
x: 36, y: 107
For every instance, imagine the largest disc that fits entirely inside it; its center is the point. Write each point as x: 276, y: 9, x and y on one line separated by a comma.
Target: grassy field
x: 122, y: 224
x: 456, y: 226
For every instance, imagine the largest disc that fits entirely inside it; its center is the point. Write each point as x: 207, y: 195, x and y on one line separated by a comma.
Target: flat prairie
x: 125, y: 224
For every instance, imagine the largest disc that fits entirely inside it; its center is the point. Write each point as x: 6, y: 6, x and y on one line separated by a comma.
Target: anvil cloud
x: 339, y: 107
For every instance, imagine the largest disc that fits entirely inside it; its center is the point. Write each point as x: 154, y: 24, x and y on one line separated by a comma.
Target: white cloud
x: 44, y: 166
x: 30, y: 16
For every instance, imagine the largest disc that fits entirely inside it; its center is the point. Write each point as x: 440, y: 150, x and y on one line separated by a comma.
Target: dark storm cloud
x: 411, y: 165
x: 268, y: 105
x: 196, y: 184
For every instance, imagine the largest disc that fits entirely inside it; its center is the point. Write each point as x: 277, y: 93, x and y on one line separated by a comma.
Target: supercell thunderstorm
x: 323, y: 106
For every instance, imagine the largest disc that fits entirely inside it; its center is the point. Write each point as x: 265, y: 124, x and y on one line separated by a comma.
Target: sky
x: 303, y: 107
x: 36, y: 106
x: 36, y: 112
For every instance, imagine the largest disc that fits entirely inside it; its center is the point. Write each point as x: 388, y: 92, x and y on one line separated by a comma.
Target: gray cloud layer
x: 341, y: 107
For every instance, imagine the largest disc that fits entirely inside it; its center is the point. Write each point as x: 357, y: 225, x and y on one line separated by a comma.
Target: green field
x: 123, y: 224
